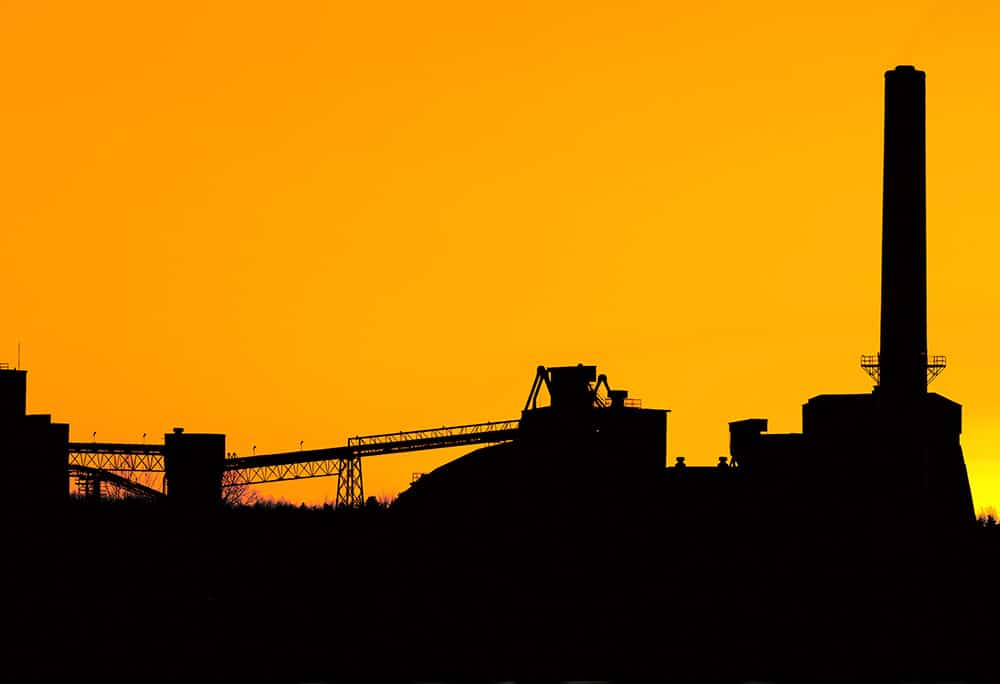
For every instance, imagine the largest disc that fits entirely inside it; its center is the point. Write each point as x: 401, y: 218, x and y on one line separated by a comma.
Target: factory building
x: 591, y: 444
x: 861, y: 463
x: 870, y: 458
x: 34, y: 450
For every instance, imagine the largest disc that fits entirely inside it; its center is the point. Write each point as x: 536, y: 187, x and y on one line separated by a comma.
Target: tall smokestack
x: 903, y: 354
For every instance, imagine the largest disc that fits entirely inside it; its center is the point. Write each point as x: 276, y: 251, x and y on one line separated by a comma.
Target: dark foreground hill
x: 629, y: 591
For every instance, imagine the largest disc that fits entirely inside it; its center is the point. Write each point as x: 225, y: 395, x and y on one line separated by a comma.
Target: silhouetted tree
x: 236, y: 494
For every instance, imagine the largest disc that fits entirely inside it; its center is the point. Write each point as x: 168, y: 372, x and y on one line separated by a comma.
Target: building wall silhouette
x: 34, y: 450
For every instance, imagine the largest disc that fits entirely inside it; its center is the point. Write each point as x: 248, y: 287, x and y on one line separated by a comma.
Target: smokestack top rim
x: 907, y: 70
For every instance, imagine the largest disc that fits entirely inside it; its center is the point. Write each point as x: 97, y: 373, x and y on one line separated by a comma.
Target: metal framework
x: 601, y: 399
x: 344, y: 462
x: 935, y: 365
x: 240, y: 473
x: 347, y: 468
x: 117, y: 457
x: 434, y: 438
x: 541, y: 380
x: 350, y: 486
x: 90, y: 481
x: 870, y: 365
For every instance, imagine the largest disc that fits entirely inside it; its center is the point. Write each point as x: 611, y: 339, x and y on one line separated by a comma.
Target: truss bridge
x: 343, y: 462
x: 195, y: 469
x: 133, y: 458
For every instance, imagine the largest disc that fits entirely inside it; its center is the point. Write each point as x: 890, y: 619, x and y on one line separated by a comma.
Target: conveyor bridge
x: 343, y: 461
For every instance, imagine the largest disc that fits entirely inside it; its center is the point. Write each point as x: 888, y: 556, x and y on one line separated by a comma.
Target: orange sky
x: 314, y: 221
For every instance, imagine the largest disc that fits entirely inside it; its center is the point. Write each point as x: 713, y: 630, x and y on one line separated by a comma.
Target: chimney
x: 903, y: 353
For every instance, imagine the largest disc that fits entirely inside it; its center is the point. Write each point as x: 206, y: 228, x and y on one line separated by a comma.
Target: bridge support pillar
x: 350, y: 486
x: 193, y: 466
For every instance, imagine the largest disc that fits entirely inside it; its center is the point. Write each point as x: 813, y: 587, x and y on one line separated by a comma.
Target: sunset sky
x: 314, y: 220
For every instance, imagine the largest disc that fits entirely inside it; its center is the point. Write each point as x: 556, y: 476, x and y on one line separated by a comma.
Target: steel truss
x: 344, y: 462
x: 117, y: 457
x: 871, y: 364
x: 434, y: 438
x: 90, y: 481
x: 350, y: 487
x: 244, y: 474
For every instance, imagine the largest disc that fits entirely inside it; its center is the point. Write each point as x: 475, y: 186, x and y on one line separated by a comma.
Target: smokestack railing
x: 870, y: 363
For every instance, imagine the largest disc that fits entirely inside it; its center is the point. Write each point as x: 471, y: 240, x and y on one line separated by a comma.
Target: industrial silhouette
x: 566, y: 547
